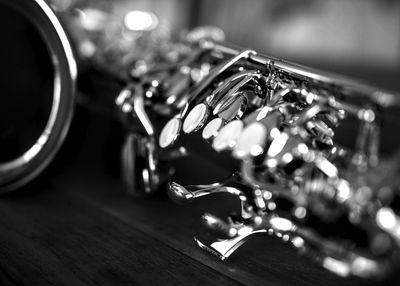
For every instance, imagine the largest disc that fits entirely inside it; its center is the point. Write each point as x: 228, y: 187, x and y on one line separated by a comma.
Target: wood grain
x: 55, y: 238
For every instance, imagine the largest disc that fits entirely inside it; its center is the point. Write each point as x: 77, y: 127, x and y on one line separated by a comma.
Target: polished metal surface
x: 24, y: 168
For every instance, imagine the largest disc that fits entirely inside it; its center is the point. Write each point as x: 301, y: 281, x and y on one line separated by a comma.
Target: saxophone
x: 280, y: 130
x: 276, y: 123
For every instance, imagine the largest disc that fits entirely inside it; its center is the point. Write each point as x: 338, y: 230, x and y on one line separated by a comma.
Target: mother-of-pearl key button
x: 228, y: 135
x: 212, y: 127
x: 196, y: 118
x: 170, y: 132
x: 251, y: 141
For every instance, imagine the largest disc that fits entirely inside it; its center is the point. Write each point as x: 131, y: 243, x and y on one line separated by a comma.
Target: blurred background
x: 360, y: 38
x: 356, y: 37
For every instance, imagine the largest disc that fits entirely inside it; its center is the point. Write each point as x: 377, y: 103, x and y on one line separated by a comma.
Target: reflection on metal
x: 26, y: 167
